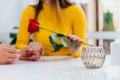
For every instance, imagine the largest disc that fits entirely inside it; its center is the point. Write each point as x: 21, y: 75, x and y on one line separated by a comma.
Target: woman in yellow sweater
x: 58, y: 15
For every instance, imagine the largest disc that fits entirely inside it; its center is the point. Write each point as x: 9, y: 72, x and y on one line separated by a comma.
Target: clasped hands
x: 32, y: 52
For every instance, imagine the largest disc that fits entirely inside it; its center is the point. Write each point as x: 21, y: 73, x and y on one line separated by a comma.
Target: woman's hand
x: 32, y: 52
x: 76, y: 40
x: 8, y: 54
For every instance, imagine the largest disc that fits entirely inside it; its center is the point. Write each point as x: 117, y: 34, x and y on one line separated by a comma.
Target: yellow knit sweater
x: 73, y: 21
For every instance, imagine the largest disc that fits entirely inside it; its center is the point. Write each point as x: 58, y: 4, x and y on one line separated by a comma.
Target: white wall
x: 10, y: 15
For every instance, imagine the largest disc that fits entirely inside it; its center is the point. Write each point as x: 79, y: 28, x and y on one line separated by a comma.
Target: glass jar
x: 93, y: 56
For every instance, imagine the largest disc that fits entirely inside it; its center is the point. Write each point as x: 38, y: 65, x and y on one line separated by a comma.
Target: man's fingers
x: 7, y: 45
x: 13, y: 56
x: 9, y: 60
x: 11, y: 50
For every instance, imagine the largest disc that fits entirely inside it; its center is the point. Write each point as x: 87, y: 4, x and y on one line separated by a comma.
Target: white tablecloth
x: 58, y: 68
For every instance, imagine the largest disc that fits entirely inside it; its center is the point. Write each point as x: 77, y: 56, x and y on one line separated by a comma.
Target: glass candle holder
x: 93, y: 56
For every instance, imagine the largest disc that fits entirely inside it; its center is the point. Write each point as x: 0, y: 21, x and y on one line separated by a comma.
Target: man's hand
x: 8, y: 54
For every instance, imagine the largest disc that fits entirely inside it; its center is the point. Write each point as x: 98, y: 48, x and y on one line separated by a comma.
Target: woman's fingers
x: 36, y: 47
x: 34, y: 56
x: 74, y: 39
x: 33, y: 51
x: 42, y: 51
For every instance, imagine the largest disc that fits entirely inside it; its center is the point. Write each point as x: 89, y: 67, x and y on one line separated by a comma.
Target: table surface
x: 58, y: 68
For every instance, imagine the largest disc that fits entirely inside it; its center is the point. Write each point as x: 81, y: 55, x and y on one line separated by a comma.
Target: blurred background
x: 103, y: 17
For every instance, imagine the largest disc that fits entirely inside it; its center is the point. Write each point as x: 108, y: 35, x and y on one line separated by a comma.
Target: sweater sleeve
x: 79, y: 26
x: 23, y: 34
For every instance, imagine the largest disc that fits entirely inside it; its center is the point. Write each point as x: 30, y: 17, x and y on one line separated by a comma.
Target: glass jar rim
x: 92, y: 47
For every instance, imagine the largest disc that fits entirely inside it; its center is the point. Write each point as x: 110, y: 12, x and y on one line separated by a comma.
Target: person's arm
x: 79, y: 26
x: 23, y: 34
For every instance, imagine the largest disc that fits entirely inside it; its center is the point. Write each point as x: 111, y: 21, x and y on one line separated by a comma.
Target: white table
x: 58, y: 68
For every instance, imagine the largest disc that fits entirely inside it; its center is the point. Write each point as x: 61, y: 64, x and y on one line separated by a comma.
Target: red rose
x: 33, y: 26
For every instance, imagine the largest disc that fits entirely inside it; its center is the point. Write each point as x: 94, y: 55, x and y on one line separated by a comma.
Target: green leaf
x: 13, y: 41
x: 55, y: 45
x: 65, y: 42
x: 74, y: 46
x: 53, y: 40
x: 56, y: 36
x: 12, y: 35
x: 14, y: 38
